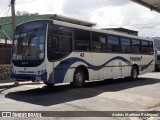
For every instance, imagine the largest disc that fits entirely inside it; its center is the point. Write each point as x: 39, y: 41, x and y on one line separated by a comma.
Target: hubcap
x: 79, y: 77
x: 134, y: 73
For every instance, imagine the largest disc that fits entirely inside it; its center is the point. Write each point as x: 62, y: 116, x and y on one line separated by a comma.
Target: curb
x: 17, y: 83
x: 6, y: 81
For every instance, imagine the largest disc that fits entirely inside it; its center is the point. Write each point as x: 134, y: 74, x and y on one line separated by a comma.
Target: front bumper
x: 29, y: 76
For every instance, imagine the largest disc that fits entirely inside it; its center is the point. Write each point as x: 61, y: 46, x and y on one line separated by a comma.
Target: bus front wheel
x: 79, y: 78
x: 134, y: 73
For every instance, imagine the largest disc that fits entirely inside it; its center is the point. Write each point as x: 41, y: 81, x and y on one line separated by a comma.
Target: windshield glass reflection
x: 29, y: 45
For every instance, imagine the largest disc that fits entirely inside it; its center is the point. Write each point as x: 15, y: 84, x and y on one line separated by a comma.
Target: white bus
x: 59, y: 52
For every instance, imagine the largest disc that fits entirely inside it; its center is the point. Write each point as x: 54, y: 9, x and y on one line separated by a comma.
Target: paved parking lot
x: 108, y: 95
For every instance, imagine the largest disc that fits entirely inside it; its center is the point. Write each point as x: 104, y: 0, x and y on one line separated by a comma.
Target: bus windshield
x: 29, y: 45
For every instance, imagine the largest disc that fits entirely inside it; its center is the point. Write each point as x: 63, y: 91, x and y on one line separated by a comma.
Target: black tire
x: 134, y: 73
x: 48, y: 84
x: 79, y: 78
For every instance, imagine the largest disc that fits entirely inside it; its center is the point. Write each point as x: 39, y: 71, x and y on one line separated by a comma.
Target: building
x: 122, y: 30
x: 3, y: 42
x: 19, y: 19
x: 151, y: 4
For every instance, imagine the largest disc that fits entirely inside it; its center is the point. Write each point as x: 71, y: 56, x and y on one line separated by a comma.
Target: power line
x: 17, y: 3
x: 5, y: 8
x: 5, y: 14
x: 8, y: 11
x: 21, y: 1
x: 3, y: 19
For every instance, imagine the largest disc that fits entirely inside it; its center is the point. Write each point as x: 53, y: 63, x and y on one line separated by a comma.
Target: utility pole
x: 13, y: 15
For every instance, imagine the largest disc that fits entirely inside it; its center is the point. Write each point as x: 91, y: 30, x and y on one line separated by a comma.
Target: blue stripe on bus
x: 62, y: 68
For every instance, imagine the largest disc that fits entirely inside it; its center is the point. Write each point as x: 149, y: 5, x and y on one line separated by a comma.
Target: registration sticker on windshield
x: 19, y: 57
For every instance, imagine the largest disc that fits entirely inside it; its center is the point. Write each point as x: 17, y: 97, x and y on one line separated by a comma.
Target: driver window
x: 33, y: 48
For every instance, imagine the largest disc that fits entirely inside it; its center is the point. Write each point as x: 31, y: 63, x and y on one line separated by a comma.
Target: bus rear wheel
x: 134, y: 73
x: 78, y: 78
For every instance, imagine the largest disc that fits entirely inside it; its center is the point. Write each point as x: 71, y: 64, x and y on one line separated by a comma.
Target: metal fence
x: 5, y: 56
x: 5, y: 61
x: 5, y: 71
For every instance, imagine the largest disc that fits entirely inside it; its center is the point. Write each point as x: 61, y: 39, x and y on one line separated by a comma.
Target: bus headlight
x: 38, y: 72
x: 43, y: 71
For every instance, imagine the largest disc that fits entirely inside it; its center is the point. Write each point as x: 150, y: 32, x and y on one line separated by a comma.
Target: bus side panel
x: 100, y: 66
x: 117, y: 70
x: 98, y: 59
x: 147, y: 64
x: 64, y: 69
x: 71, y: 70
x: 126, y: 67
x: 69, y: 75
x: 108, y: 73
x: 110, y: 66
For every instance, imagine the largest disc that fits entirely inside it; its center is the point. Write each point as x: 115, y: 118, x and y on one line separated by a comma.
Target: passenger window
x: 126, y: 45
x: 136, y: 46
x: 82, y: 40
x: 145, y: 47
x: 98, y: 42
x: 151, y: 48
x: 113, y: 44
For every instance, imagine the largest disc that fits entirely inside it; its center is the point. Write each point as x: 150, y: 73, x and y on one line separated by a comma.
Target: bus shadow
x: 65, y: 93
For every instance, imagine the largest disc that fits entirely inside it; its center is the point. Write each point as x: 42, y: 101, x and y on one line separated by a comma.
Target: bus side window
x: 113, y: 44
x: 145, y: 47
x: 59, y: 42
x: 98, y: 42
x: 82, y: 40
x: 125, y: 45
x: 150, y: 48
x: 136, y: 46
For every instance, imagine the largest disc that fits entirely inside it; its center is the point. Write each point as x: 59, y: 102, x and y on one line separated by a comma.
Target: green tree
x: 25, y: 13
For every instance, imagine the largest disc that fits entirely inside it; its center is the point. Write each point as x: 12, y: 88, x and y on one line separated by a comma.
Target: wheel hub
x: 134, y: 74
x: 79, y: 77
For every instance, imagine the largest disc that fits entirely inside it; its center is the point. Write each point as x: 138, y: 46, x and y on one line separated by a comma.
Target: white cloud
x: 141, y: 19
x: 42, y: 7
x: 106, y: 17
x: 84, y: 9
x: 4, y: 7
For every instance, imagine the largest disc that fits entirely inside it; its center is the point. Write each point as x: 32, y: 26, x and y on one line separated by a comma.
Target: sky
x: 105, y: 13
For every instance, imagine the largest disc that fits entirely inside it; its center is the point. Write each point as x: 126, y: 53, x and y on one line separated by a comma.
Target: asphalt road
x: 109, y: 95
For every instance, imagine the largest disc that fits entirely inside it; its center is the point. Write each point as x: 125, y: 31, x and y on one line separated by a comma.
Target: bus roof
x: 72, y: 20
x: 99, y: 30
x: 90, y: 29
